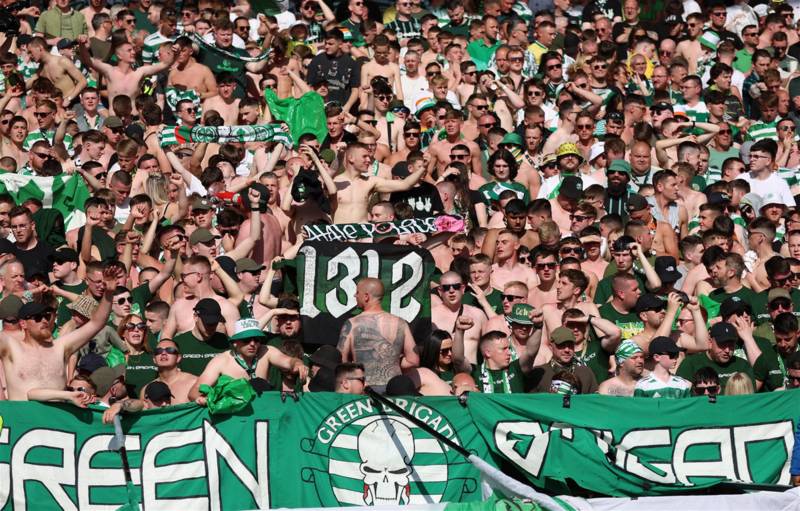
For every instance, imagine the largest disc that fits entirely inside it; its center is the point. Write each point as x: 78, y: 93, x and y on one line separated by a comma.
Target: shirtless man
x: 122, y: 78
x: 440, y: 149
x: 377, y: 339
x: 507, y: 267
x: 59, y: 70
x: 545, y: 263
x: 354, y: 186
x: 690, y: 48
x: 250, y: 358
x: 224, y: 102
x: 514, y: 292
x: 37, y: 362
x: 167, y: 357
x: 188, y: 74
x: 444, y: 313
x: 196, y: 280
x: 381, y: 66
x: 761, y: 235
x: 570, y: 287
x: 630, y: 365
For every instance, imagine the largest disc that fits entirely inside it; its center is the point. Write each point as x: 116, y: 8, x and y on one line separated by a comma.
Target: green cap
x: 247, y: 329
x: 619, y: 166
x: 561, y: 335
x: 512, y: 139
x: 520, y: 314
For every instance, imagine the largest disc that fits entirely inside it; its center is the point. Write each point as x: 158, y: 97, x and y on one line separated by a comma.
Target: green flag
x: 64, y: 192
x: 303, y: 115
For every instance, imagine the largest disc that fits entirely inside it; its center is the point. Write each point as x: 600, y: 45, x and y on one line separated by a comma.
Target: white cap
x: 597, y: 149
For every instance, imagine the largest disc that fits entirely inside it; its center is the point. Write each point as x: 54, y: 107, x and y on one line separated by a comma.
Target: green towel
x: 303, y: 115
x: 228, y: 395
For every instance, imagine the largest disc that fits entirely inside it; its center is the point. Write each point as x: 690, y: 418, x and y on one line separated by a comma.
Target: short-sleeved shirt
x: 674, y: 388
x: 196, y: 354
x: 342, y: 73
x: 501, y: 381
x: 693, y: 363
x: 36, y: 260
x: 630, y: 324
x: 140, y: 370
x: 746, y: 294
x: 63, y: 314
x: 761, y: 306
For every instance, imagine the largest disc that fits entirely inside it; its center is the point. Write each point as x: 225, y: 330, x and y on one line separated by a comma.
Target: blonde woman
x: 157, y: 188
x: 739, y: 384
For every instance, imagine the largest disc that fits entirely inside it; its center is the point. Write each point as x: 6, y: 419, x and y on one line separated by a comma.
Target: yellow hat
x: 567, y: 149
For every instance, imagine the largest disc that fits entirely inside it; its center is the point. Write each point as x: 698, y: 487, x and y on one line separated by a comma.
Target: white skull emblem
x: 386, y: 448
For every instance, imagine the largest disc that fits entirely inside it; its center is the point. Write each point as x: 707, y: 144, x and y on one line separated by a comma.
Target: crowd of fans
x: 626, y: 172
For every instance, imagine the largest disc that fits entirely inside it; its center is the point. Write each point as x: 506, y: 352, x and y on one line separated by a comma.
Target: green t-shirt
x: 494, y: 297
x: 693, y: 363
x: 63, y: 314
x: 605, y: 289
x: 195, y: 354
x: 630, y: 323
x: 746, y: 294
x: 139, y: 371
x: 491, y: 191
x: 501, y: 381
x: 219, y: 62
x: 595, y: 357
x: 760, y: 304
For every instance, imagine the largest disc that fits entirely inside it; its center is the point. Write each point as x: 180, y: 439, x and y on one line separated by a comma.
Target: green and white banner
x: 64, y: 192
x: 352, y: 232
x: 329, y: 450
x: 327, y: 274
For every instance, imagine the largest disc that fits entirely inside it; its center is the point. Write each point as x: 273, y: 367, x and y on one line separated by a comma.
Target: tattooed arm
x: 410, y: 356
x: 345, y: 345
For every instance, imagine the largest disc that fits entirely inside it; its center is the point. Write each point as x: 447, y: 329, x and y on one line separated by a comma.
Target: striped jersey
x: 405, y: 29
x: 697, y: 113
x: 761, y: 130
x: 151, y: 44
x: 37, y: 135
x: 674, y: 388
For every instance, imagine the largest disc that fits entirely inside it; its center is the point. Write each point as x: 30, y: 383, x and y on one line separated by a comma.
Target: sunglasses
x: 362, y: 379
x: 616, y: 173
x: 433, y: 73
x: 168, y: 351
x: 209, y: 243
x: 569, y: 250
x: 511, y: 298
x: 488, y: 125
x: 79, y: 389
x: 708, y: 389
x: 551, y: 67
x: 450, y: 287
x: 42, y: 114
x: 786, y: 128
x: 190, y: 110
x: 536, y: 93
x: 550, y: 266
x: 585, y: 127
x: 383, y: 97
x: 446, y: 351
x: 47, y: 315
x: 123, y: 299
x: 459, y: 156
x: 481, y: 107
x: 725, y: 132
x: 4, y: 122
x: 411, y: 134
x: 780, y: 304
x: 136, y: 326
x: 42, y: 155
x: 470, y: 73
x: 516, y: 59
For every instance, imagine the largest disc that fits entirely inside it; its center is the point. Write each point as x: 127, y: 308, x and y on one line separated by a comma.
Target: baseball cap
x: 31, y: 309
x: 636, y: 202
x: 719, y: 198
x: 10, y: 307
x: 774, y: 294
x: 660, y: 106
x: 157, y: 391
x: 571, y: 187
x: 401, y: 385
x: 723, y: 332
x: 227, y: 264
x: 326, y: 356
x: 202, y: 203
x: 561, y: 335
x: 520, y: 314
x: 202, y: 236
x: 209, y: 311
x: 247, y: 264
x: 667, y: 270
x: 63, y: 44
x: 733, y: 305
x: 662, y: 344
x: 247, y: 329
x: 619, y: 166
x: 65, y: 255
x: 104, y: 378
x: 400, y: 170
x: 649, y: 302
x: 323, y: 381
x: 91, y: 362
x: 112, y: 121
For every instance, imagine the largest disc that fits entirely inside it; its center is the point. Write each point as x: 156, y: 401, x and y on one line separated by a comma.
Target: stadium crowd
x: 626, y: 173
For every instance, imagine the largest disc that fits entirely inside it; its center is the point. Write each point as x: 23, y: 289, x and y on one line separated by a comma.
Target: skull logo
x: 386, y: 448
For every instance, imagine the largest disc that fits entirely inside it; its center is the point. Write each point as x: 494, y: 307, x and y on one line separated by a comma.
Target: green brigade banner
x: 352, y: 232
x: 327, y: 273
x: 327, y: 450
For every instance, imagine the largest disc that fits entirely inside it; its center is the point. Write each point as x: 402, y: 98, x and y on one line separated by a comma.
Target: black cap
x: 661, y: 105
x: 636, y: 203
x: 326, y: 356
x: 649, y: 302
x: 135, y: 132
x: 157, y: 392
x: 323, y: 381
x: 571, y: 187
x: 723, y: 332
x: 91, y: 362
x: 622, y: 243
x: 209, y: 311
x: 65, y: 255
x: 667, y: 270
x: 719, y: 198
x: 63, y: 44
x: 734, y: 305
x: 400, y: 170
x: 229, y: 265
x: 401, y: 385
x: 31, y: 309
x: 662, y: 344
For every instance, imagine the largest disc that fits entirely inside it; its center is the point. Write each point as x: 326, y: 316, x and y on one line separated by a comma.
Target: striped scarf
x: 173, y: 95
x: 178, y: 135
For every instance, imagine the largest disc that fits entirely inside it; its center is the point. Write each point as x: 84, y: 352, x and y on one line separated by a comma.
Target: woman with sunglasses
x: 437, y: 355
x: 140, y: 368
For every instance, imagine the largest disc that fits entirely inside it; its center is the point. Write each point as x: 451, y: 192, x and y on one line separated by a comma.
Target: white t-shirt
x: 414, y: 89
x: 773, y: 185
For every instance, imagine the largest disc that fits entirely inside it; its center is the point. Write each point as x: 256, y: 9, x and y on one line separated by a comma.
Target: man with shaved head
x: 380, y: 341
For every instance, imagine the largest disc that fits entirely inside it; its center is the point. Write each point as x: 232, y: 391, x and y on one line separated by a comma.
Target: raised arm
x: 610, y: 334
x: 397, y: 185
x: 283, y: 361
x: 460, y: 363
x: 699, y: 342
x: 208, y: 377
x: 528, y: 355
x: 74, y: 340
x: 235, y: 295
x: 245, y: 247
x: 89, y: 61
x: 653, y: 281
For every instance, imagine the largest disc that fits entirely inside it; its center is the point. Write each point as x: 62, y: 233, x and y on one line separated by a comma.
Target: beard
x: 616, y: 189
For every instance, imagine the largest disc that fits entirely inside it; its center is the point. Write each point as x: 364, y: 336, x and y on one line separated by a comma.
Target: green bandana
x: 626, y: 350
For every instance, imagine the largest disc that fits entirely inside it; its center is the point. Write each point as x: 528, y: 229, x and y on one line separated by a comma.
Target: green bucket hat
x: 511, y: 139
x: 520, y: 314
x: 619, y: 166
x: 247, y: 329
